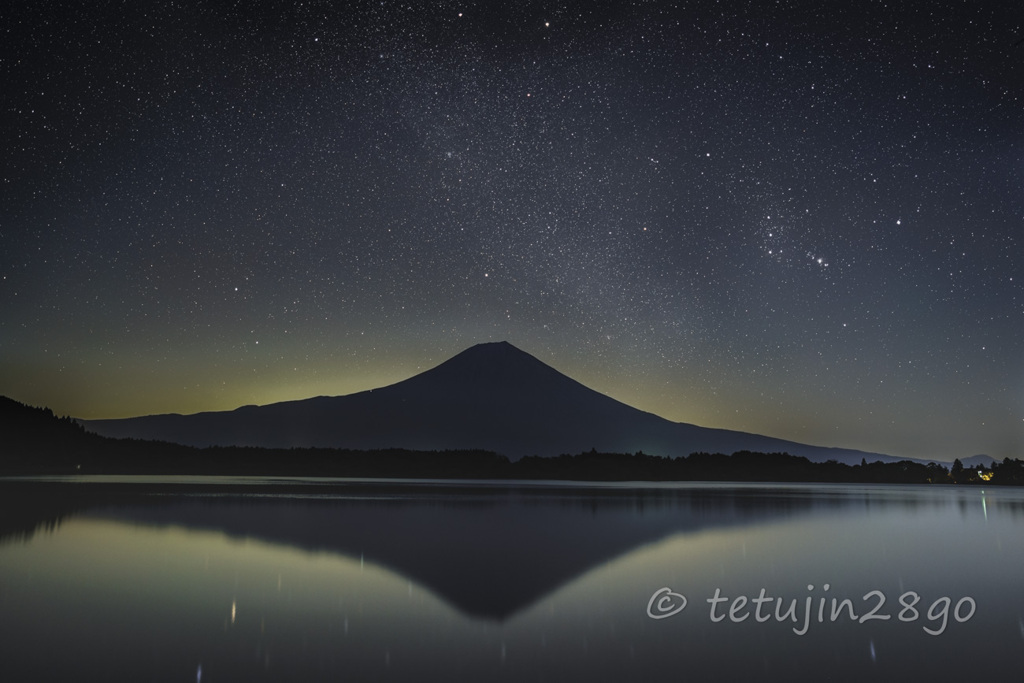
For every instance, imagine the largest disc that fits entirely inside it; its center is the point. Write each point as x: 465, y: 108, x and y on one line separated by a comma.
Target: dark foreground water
x: 211, y: 579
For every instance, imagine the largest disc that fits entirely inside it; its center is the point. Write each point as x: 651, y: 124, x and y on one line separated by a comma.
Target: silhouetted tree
x: 956, y: 473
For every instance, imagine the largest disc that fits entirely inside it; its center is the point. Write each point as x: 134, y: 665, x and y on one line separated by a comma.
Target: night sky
x: 801, y: 219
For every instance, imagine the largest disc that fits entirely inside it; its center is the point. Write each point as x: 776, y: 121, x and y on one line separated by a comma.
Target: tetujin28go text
x: 818, y: 609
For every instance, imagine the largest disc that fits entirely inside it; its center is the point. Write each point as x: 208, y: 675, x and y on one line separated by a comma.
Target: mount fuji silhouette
x: 491, y: 396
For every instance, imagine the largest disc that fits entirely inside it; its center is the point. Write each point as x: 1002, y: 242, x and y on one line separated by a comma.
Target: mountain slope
x: 491, y: 396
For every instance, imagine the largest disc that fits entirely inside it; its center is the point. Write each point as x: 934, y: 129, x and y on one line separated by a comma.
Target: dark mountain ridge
x: 491, y: 396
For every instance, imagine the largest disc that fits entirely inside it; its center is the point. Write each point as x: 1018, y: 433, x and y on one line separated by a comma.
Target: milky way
x: 796, y: 218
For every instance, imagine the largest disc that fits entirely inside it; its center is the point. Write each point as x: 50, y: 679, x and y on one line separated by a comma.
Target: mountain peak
x: 495, y: 352
x: 494, y: 348
x: 499, y: 363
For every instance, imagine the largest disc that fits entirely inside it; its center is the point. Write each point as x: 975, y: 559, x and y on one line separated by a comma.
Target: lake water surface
x: 228, y: 579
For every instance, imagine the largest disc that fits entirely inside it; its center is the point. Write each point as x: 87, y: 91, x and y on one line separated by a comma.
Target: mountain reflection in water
x: 534, y: 565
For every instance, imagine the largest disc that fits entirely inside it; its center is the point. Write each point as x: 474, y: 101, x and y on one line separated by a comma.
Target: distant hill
x: 978, y: 461
x: 491, y: 396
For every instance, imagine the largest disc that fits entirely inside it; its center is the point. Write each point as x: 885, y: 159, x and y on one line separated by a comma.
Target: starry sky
x: 800, y: 219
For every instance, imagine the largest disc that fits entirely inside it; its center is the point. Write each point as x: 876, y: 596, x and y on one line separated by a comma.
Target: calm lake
x: 247, y: 579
